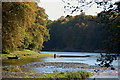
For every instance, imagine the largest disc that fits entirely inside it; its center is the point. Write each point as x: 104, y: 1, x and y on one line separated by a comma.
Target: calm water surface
x: 88, y: 60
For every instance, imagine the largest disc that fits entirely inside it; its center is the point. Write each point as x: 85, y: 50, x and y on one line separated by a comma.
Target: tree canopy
x: 88, y: 33
x: 76, y: 33
x: 24, y: 26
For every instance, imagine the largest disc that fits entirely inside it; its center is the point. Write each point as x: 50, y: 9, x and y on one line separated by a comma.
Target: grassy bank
x: 27, y: 57
x: 68, y: 75
x: 26, y: 54
x: 16, y: 73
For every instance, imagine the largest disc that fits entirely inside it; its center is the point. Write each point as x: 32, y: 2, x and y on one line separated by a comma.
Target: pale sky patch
x: 55, y: 9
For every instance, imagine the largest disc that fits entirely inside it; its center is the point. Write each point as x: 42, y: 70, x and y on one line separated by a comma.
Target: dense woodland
x: 24, y: 26
x: 86, y: 33
x: 77, y: 33
x: 80, y: 33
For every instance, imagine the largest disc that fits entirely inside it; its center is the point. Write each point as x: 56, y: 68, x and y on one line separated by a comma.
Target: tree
x: 40, y: 33
x: 24, y: 26
x: 73, y: 6
x: 17, y: 16
x: 110, y: 16
x: 112, y: 44
x: 76, y: 33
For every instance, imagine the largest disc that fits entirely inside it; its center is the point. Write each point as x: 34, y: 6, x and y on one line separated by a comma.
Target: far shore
x: 73, y: 51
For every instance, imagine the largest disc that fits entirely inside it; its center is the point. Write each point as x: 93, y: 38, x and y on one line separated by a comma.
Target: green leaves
x: 76, y: 33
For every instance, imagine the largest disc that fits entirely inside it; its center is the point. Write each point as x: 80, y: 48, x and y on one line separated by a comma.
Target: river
x: 90, y: 60
x: 87, y: 60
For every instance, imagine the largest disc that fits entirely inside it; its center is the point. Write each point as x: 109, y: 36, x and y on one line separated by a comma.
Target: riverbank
x: 26, y: 54
x: 52, y: 76
x: 44, y: 67
x: 19, y: 71
x: 27, y: 71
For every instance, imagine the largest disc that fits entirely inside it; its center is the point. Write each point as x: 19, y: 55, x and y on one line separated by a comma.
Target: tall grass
x: 78, y: 75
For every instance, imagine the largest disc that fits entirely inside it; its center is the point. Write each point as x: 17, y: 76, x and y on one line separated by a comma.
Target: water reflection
x: 88, y: 60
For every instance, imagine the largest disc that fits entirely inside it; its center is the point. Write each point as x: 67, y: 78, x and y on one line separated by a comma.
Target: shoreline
x: 57, y: 65
x: 26, y: 54
x: 54, y: 65
x: 73, y: 51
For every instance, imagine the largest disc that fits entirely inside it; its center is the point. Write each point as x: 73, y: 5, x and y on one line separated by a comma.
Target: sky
x: 55, y: 9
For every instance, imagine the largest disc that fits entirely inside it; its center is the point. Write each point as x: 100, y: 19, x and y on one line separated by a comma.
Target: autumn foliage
x: 23, y: 26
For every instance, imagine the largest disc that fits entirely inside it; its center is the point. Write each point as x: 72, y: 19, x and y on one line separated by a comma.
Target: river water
x: 88, y: 60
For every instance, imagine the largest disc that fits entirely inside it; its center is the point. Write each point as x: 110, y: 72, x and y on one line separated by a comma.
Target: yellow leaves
x: 64, y: 20
x: 20, y: 20
x: 17, y: 17
x: 80, y: 24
